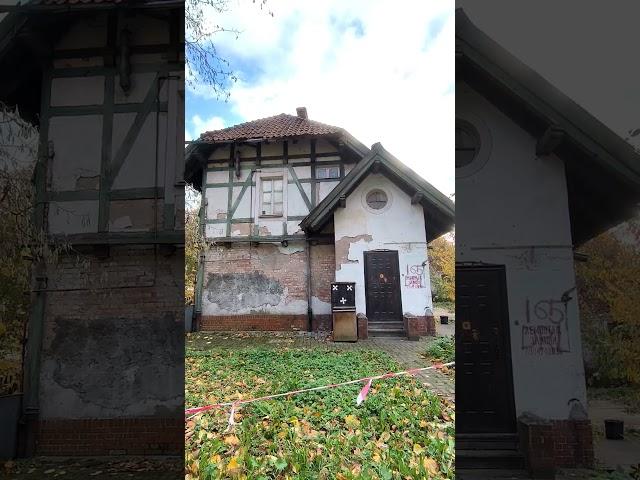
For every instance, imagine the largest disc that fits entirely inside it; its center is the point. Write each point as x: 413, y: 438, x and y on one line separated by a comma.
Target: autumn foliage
x: 609, y: 295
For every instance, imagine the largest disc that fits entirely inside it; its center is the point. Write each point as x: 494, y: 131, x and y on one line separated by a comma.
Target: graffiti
x: 414, y: 276
x: 547, y: 329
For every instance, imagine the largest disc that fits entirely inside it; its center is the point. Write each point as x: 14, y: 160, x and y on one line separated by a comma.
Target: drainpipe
x: 309, y: 308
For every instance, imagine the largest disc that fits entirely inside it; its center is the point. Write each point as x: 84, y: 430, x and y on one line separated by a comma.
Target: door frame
x: 505, y: 325
x: 399, y: 285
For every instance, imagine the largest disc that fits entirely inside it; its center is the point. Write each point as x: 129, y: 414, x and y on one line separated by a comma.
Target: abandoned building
x: 104, y: 83
x: 290, y: 205
x: 536, y: 177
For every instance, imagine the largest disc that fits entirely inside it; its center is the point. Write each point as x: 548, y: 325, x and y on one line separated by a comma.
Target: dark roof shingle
x: 278, y: 126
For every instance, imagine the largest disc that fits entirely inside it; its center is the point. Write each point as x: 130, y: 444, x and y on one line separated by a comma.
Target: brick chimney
x: 302, y: 113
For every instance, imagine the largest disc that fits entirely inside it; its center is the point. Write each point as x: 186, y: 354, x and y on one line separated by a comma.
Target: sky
x: 383, y: 73
x: 588, y: 50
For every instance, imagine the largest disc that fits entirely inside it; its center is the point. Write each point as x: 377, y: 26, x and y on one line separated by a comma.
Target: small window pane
x: 376, y: 199
x: 277, y: 197
x: 266, y: 197
x: 266, y: 185
x: 467, y: 143
x: 334, y: 172
x: 321, y: 173
x: 277, y: 185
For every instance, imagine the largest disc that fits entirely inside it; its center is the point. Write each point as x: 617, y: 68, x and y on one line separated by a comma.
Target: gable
x: 602, y: 170
x: 438, y: 209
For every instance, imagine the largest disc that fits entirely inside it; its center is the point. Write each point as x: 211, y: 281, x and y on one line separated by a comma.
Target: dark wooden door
x: 484, y: 385
x: 382, y: 286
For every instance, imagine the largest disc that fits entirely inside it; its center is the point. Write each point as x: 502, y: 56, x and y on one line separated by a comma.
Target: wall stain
x: 239, y: 291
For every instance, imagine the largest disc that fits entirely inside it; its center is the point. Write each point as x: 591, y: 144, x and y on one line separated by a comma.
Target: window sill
x: 271, y: 216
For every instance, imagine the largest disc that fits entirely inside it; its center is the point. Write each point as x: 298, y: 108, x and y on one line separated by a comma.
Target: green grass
x: 400, y: 431
x: 442, y: 349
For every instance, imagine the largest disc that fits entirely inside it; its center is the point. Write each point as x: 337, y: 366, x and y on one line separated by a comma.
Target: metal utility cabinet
x: 343, y: 307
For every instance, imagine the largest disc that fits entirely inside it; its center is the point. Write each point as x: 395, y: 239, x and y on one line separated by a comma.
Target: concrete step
x: 489, y: 459
x: 487, y: 441
x: 386, y: 329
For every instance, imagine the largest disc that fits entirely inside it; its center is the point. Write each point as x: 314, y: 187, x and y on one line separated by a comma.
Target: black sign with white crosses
x: 343, y: 296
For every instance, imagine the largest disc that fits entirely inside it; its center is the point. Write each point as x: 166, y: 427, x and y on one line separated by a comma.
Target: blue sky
x: 384, y: 73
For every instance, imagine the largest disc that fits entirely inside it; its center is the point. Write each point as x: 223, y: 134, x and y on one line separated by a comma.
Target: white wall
x: 533, y: 240
x: 399, y: 226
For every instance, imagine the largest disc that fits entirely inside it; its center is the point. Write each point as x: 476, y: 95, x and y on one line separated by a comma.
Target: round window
x: 377, y: 199
x: 467, y: 143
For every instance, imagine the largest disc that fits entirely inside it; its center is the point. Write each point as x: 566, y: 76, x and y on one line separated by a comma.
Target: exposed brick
x: 289, y: 270
x: 125, y: 436
x: 363, y: 326
x: 416, y: 327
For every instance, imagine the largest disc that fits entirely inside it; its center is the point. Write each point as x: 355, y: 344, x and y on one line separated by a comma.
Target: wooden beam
x: 342, y: 201
x: 550, y: 140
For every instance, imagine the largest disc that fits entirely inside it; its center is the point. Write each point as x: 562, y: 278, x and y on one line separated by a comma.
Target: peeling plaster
x: 88, y: 183
x: 344, y: 254
x: 290, y: 249
x: 320, y: 307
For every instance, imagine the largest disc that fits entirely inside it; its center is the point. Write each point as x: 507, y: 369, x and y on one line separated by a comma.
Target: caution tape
x: 192, y: 412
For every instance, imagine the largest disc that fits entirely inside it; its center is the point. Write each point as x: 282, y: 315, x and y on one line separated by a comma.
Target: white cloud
x: 198, y: 126
x: 367, y: 66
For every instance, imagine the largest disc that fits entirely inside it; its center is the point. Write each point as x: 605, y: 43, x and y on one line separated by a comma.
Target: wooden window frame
x: 271, y: 179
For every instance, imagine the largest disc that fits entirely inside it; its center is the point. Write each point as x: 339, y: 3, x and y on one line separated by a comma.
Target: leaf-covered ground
x: 401, y: 431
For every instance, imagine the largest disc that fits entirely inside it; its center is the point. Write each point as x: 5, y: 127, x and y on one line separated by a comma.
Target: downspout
x: 309, y: 304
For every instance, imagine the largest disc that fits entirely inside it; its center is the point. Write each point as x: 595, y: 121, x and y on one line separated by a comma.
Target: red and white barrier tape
x: 361, y: 396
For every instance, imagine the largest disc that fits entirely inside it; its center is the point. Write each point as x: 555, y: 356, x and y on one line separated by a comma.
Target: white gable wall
x: 533, y: 210
x: 399, y: 226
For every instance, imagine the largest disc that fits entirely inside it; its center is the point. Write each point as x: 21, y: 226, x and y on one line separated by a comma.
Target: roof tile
x: 278, y: 126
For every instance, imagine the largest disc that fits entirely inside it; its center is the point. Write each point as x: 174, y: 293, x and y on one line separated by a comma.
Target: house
x: 290, y: 205
x: 104, y: 83
x: 536, y: 177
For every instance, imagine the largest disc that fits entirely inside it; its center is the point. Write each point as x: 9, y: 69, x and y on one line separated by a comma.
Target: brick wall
x: 243, y: 263
x: 113, y: 324
x: 419, y: 326
x: 261, y: 322
x: 123, y: 436
x: 556, y: 443
x: 573, y: 443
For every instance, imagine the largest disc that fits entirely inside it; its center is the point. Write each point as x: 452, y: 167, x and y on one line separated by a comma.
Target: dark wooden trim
x: 117, y: 238
x: 107, y: 136
x: 303, y: 194
x: 416, y: 198
x: 314, y: 187
x: 79, y: 110
x: 232, y: 152
x: 138, y: 122
x: 285, y: 152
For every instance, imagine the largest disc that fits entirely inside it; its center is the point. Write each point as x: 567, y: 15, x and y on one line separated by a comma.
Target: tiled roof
x: 278, y: 126
x: 55, y: 3
x: 75, y: 2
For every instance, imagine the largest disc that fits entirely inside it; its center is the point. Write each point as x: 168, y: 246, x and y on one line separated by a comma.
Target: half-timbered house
x: 290, y: 205
x: 104, y: 83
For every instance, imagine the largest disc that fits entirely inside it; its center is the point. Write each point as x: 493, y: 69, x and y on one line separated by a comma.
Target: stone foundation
x: 363, y: 326
x: 416, y: 327
x: 549, y: 444
x: 121, y: 436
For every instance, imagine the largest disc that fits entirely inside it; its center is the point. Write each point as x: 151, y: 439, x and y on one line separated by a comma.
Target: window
x: 328, y: 172
x: 376, y: 199
x: 271, y: 193
x: 467, y: 143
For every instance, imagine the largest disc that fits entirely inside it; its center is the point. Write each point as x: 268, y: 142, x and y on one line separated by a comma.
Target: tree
x: 442, y: 269
x: 193, y: 245
x: 609, y: 295
x: 20, y: 243
x: 204, y: 64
